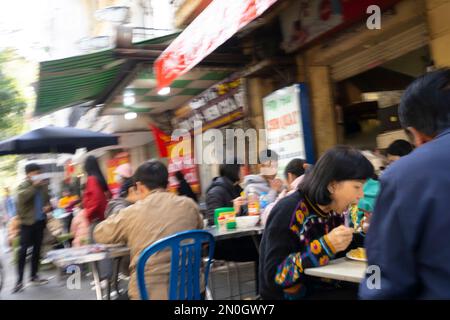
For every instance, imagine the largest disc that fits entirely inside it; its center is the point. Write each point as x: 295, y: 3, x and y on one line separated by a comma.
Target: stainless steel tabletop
x: 235, y: 233
x: 85, y: 254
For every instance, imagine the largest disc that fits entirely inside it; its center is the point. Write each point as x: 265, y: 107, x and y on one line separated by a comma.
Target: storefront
x: 356, y: 72
x: 288, y: 127
x: 221, y: 107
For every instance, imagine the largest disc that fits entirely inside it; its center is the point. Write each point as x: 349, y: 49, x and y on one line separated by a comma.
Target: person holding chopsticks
x: 306, y: 229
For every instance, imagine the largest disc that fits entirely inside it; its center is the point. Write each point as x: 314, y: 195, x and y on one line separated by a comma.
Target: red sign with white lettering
x: 215, y: 25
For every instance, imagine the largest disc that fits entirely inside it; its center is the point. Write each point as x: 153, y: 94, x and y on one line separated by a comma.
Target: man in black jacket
x: 224, y: 191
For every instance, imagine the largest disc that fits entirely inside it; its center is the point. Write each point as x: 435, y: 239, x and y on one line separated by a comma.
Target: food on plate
x: 359, y: 253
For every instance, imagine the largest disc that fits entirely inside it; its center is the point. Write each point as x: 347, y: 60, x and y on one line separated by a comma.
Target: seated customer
x: 128, y: 195
x: 80, y: 229
x: 266, y: 181
x: 306, y: 228
x: 224, y: 190
x: 397, y: 149
x: 157, y: 215
x: 293, y: 173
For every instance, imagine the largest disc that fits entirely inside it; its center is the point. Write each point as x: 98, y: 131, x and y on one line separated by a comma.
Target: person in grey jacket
x: 266, y: 181
x: 127, y: 197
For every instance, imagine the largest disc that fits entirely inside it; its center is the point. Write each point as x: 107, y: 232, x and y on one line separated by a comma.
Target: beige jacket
x: 159, y: 215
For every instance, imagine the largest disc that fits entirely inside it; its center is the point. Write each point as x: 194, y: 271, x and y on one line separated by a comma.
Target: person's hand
x: 276, y: 184
x: 237, y: 203
x: 340, y: 237
x: 133, y: 195
x: 47, y: 209
x: 366, y: 222
x: 38, y: 183
x: 365, y: 227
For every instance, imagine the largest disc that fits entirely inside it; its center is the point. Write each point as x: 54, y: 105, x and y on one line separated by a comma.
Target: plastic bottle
x: 263, y: 200
x: 253, y: 203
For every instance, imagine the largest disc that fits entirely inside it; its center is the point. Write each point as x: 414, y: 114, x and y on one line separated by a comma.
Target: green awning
x: 147, y: 99
x: 82, y: 79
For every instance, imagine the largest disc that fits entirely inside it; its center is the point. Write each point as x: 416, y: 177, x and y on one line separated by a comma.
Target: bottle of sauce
x: 253, y: 203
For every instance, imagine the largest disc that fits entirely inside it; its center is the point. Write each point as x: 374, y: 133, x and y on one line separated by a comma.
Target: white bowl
x: 246, y: 221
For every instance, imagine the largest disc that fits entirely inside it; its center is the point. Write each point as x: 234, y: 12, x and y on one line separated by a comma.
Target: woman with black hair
x: 96, y: 192
x: 293, y: 173
x: 306, y: 229
x: 184, y: 189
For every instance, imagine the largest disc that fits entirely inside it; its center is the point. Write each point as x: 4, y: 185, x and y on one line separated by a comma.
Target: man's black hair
x: 231, y: 170
x: 125, y: 186
x: 425, y: 105
x: 32, y: 167
x: 153, y: 174
x: 399, y: 148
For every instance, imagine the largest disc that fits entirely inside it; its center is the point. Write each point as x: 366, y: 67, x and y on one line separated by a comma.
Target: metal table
x: 237, y: 233
x: 342, y: 269
x: 63, y: 258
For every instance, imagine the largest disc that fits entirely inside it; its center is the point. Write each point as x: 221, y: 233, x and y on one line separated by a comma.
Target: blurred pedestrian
x: 184, y: 189
x: 96, y: 193
x: 9, y: 204
x: 67, y: 202
x: 95, y: 201
x: 408, y: 235
x: 33, y: 204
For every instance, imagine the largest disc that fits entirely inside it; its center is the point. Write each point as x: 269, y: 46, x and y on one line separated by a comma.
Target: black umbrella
x: 56, y: 140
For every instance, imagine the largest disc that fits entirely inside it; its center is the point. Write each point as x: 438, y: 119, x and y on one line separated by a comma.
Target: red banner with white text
x: 215, y: 25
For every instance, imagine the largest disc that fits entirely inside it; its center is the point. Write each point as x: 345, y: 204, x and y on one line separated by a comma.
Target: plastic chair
x: 184, y: 283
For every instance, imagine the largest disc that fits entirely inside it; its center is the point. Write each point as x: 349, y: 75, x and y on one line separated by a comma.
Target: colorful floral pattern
x: 324, y: 260
x: 310, y: 229
x: 315, y: 246
x: 299, y: 216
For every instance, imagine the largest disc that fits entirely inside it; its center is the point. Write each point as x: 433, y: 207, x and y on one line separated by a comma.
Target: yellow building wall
x: 438, y: 13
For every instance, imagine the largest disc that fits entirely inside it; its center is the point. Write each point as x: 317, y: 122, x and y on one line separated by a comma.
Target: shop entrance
x: 367, y: 103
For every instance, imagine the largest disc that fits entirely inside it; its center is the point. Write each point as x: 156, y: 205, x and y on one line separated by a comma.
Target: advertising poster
x: 287, y: 123
x: 184, y: 163
x: 112, y: 164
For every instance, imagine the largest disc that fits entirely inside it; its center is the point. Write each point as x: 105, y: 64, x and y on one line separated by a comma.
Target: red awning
x: 215, y: 25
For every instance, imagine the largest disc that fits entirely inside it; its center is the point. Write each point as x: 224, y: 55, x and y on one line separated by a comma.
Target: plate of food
x: 358, y: 254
